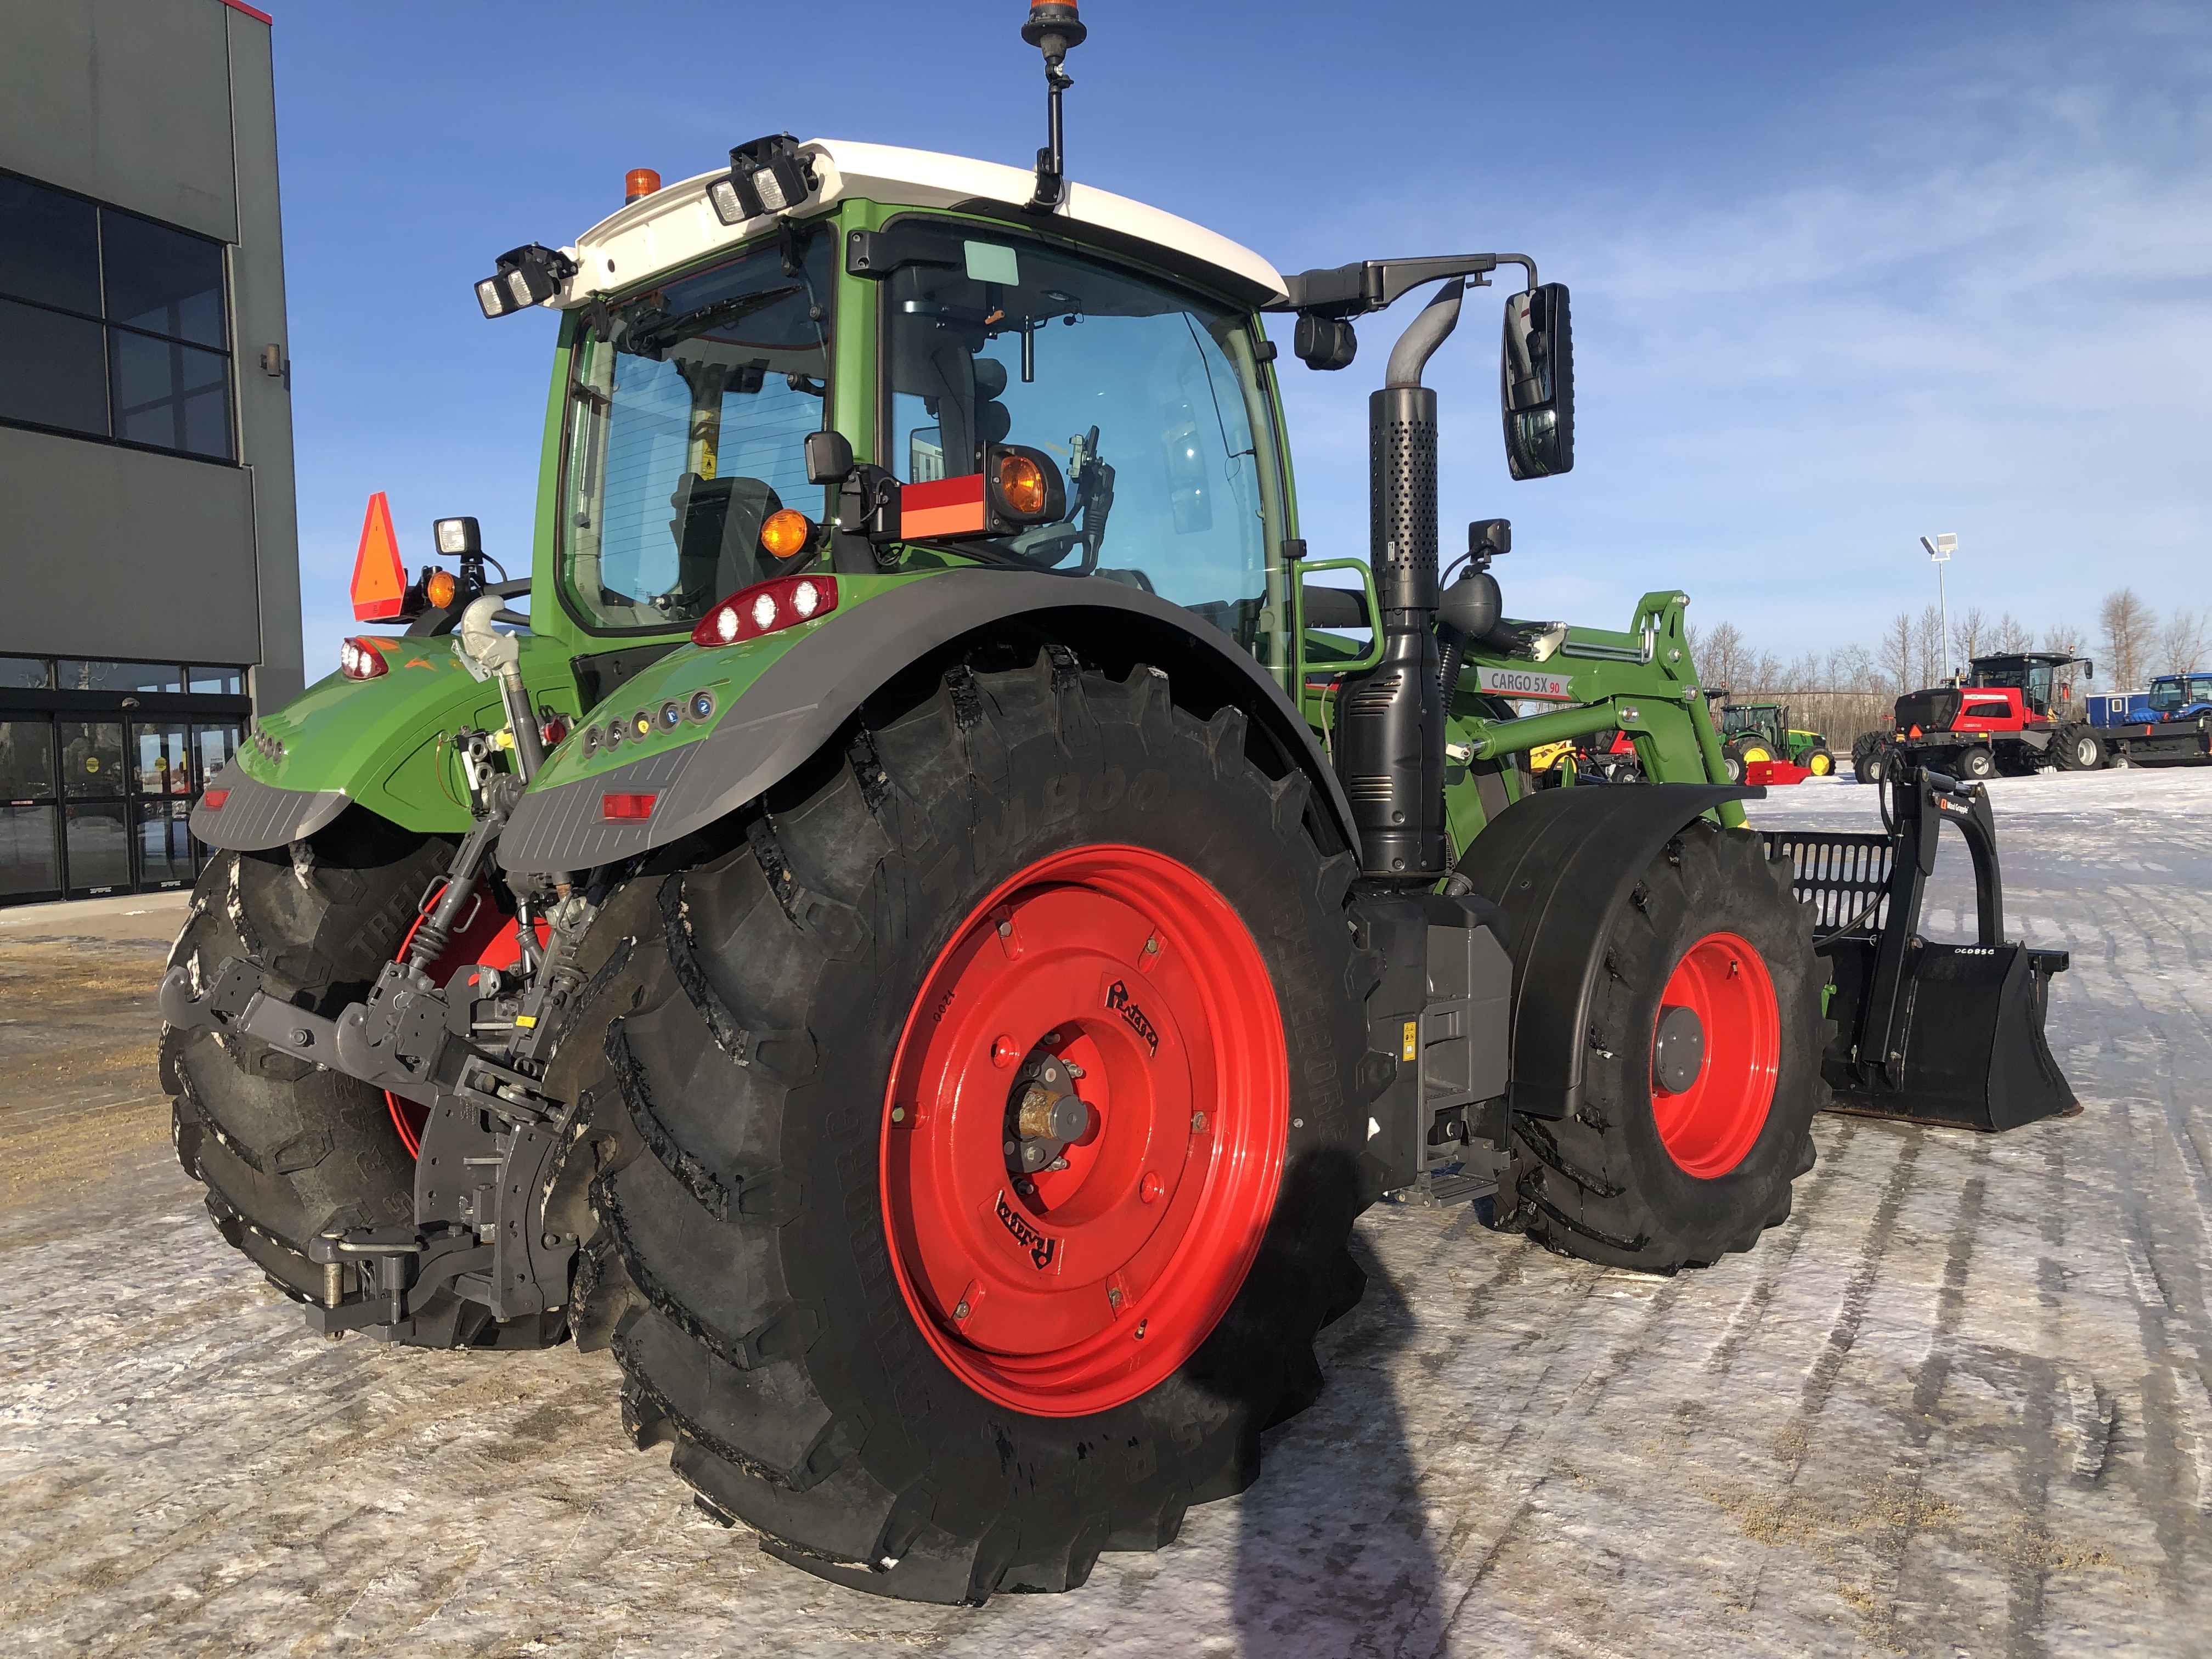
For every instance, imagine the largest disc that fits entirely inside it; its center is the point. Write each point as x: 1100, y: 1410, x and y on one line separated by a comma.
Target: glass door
x: 213, y: 746
x: 162, y: 791
x: 96, y: 826
x: 30, y: 846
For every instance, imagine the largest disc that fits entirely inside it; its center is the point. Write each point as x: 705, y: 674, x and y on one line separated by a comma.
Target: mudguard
x: 799, y: 700
x: 1559, y: 863
x: 255, y: 814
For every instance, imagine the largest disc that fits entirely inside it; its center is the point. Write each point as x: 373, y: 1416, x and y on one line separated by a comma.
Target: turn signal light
x: 358, y: 660
x: 627, y: 807
x: 439, y: 587
x: 787, y: 532
x: 767, y: 608
x: 1021, y: 483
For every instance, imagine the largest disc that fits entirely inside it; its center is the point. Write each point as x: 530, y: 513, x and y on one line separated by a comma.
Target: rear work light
x: 359, y: 659
x: 766, y: 607
x: 627, y: 807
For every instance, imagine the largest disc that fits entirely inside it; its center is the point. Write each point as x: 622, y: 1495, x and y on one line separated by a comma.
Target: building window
x: 110, y: 325
x: 100, y: 763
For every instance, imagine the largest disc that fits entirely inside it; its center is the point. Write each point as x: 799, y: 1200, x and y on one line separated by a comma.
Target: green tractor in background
x: 924, y: 935
x: 1756, y: 731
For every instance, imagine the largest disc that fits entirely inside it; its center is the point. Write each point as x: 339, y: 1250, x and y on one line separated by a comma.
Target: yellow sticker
x: 525, y: 1020
x: 92, y: 763
x: 1412, y: 1039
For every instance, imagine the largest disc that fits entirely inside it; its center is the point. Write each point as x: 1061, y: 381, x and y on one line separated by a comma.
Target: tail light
x: 214, y: 798
x: 626, y: 805
x: 359, y: 660
x: 767, y: 608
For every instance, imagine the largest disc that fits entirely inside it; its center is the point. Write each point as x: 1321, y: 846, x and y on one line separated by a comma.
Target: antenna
x: 1054, y: 30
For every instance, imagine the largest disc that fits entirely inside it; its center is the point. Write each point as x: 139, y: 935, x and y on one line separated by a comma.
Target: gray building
x: 148, y: 539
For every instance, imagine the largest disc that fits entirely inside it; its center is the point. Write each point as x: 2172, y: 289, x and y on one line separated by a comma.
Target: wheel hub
x: 1680, y: 1054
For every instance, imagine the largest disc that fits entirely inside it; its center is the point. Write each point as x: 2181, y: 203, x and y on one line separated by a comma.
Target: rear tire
x: 753, y: 1266
x: 286, y: 1151
x: 1657, y: 1181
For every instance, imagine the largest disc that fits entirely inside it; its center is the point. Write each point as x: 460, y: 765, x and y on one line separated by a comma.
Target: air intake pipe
x: 1390, y: 719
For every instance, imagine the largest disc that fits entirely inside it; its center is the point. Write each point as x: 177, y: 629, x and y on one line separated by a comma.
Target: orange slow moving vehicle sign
x: 379, y: 580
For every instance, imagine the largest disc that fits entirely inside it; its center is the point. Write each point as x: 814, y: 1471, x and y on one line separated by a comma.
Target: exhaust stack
x: 1390, y: 719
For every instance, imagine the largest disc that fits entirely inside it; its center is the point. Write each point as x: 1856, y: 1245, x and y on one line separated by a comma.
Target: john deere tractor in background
x: 1759, y: 734
x: 923, y: 936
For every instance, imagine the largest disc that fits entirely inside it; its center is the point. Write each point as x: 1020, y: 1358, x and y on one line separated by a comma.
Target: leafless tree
x: 2010, y: 634
x: 2182, y: 642
x: 1969, y: 636
x: 1929, y: 639
x: 2064, y: 638
x: 2127, y: 627
x: 1899, y: 656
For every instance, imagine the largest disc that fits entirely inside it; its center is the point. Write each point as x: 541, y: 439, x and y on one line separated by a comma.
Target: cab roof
x: 676, y: 224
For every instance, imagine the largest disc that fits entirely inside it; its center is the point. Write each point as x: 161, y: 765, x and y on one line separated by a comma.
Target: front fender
x: 1560, y: 863
x: 787, y: 709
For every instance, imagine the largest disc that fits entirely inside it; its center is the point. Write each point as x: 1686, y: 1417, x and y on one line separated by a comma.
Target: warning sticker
x: 1524, y: 683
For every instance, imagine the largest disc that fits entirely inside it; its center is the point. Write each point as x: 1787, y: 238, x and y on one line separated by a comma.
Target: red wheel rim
x: 1708, y: 1126
x: 1097, y: 1283
x: 485, y: 938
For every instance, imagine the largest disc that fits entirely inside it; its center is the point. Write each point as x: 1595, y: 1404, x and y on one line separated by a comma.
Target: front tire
x: 1819, y: 763
x: 815, y: 1260
x: 1664, y: 1169
x: 1976, y: 764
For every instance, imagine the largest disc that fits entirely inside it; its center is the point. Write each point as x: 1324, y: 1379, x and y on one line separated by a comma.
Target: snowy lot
x: 1957, y: 1405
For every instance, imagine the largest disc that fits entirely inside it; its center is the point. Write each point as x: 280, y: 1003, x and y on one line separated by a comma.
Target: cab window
x: 689, y: 407
x: 1148, y: 398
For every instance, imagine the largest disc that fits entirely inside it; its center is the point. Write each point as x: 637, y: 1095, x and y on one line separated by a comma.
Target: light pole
x: 1939, y: 548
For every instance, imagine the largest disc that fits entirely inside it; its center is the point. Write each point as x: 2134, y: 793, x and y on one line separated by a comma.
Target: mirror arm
x: 1356, y: 289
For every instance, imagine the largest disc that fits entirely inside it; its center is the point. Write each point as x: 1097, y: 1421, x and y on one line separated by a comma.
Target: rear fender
x: 800, y: 700
x: 382, y: 743
x: 1560, y: 863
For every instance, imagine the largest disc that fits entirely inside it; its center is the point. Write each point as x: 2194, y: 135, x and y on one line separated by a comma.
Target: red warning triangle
x: 380, y: 580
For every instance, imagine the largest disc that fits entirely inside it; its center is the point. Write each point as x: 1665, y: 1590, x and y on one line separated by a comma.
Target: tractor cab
x: 2048, y: 681
x: 2173, y: 696
x: 1768, y: 721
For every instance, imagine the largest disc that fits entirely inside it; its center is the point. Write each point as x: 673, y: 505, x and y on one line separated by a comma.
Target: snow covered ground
x: 1957, y: 1405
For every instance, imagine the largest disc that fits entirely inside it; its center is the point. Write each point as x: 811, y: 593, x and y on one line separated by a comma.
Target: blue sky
x: 1841, y: 275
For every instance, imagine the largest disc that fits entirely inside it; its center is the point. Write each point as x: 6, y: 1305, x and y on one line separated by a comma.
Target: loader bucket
x: 1924, y: 1031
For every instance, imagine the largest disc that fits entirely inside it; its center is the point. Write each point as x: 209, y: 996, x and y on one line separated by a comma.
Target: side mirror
x: 1536, y: 383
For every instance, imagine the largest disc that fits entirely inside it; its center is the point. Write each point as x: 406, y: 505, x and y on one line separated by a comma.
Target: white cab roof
x: 676, y: 224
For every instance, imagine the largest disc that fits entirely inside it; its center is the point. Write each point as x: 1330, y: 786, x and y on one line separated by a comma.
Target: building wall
x: 165, y: 108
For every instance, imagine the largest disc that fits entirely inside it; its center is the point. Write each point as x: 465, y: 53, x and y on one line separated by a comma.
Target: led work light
x: 765, y: 176
x: 524, y: 276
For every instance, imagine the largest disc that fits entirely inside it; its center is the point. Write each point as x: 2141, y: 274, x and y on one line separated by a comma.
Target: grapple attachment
x: 1928, y: 1032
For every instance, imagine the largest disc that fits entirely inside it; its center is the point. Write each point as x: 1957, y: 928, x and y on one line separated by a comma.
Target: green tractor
x: 1753, y: 731
x: 925, y: 934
